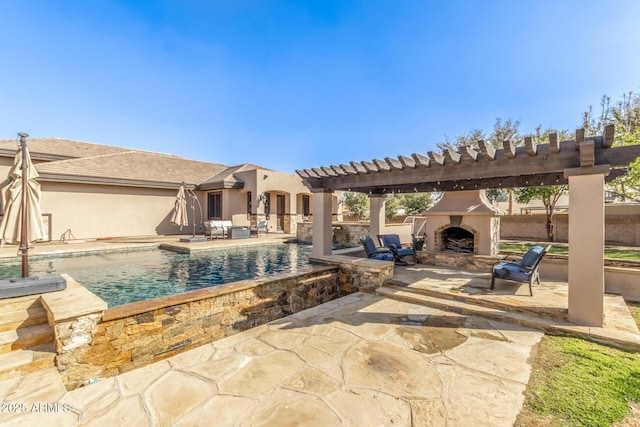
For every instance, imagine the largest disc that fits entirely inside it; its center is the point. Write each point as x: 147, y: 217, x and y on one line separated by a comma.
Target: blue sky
x: 297, y: 84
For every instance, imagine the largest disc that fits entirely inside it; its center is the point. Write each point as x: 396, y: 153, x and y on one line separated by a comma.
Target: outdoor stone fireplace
x: 463, y: 222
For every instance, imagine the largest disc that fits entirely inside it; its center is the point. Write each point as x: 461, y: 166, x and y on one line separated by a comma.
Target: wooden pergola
x: 584, y: 163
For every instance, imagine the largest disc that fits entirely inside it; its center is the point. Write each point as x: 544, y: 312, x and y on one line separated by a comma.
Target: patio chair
x: 524, y: 271
x: 208, y: 230
x: 260, y: 227
x: 381, y: 254
x: 216, y: 229
x: 392, y: 241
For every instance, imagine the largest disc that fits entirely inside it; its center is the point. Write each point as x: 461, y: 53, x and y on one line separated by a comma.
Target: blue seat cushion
x: 511, y: 271
x: 383, y: 256
x: 405, y: 251
x: 393, y: 241
x: 369, y: 246
x: 532, y: 256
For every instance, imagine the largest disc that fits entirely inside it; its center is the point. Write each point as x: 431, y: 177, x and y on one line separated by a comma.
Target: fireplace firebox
x: 456, y: 239
x: 463, y: 222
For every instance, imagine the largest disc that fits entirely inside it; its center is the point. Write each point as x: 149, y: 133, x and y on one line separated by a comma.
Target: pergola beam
x: 484, y: 168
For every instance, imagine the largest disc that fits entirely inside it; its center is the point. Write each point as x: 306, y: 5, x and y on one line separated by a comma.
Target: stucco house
x: 98, y: 191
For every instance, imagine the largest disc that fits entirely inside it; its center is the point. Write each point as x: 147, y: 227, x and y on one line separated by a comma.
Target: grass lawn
x: 624, y: 254
x: 579, y: 383
x: 634, y: 308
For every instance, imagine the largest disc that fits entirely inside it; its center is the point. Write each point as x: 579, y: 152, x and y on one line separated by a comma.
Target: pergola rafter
x: 530, y: 165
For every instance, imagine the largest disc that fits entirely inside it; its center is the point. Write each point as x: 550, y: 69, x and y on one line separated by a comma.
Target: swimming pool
x: 123, y: 278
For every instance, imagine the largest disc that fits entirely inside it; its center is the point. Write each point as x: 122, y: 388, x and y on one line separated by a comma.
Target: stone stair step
x: 551, y: 326
x: 21, y: 362
x: 22, y: 318
x: 22, y: 338
x: 20, y: 303
x: 508, y: 306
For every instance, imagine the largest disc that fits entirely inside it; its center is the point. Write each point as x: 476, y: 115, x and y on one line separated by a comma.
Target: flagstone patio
x: 433, y: 347
x: 359, y: 360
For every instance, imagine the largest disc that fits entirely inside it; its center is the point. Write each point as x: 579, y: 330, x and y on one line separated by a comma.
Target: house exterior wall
x: 274, y: 183
x: 101, y: 211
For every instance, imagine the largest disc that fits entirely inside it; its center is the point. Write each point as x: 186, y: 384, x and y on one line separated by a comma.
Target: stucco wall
x: 349, y: 234
x: 99, y: 211
x: 619, y: 229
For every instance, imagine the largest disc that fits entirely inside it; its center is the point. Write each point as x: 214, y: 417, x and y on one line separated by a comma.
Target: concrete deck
x: 77, y: 248
x: 430, y: 349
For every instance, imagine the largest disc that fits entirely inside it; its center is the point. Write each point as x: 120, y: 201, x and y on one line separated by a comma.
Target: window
x: 214, y: 205
x: 249, y: 205
x: 305, y: 206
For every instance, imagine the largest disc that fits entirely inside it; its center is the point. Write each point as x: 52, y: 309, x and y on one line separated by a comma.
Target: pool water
x: 123, y: 278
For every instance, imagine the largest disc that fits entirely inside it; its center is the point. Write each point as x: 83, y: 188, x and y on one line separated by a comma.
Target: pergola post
x: 586, y: 245
x: 376, y: 215
x: 322, y: 227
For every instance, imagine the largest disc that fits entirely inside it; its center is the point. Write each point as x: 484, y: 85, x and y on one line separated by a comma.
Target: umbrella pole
x: 24, y: 245
x: 193, y: 216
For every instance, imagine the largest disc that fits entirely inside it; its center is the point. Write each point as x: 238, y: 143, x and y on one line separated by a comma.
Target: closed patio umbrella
x: 179, y: 215
x: 22, y: 220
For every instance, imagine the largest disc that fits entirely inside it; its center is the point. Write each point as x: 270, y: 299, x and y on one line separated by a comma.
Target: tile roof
x: 60, y: 148
x: 227, y: 178
x: 76, y: 161
x: 132, y: 167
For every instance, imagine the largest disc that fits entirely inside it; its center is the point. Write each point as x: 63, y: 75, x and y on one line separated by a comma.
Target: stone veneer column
x: 376, y: 215
x: 586, y: 247
x: 74, y: 314
x: 322, y: 229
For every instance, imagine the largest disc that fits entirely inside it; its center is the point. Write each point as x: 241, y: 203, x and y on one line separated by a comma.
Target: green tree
x: 391, y: 206
x: 416, y: 203
x: 357, y: 203
x: 498, y: 194
x: 592, y: 125
x: 549, y: 195
x: 503, y: 130
x: 625, y: 115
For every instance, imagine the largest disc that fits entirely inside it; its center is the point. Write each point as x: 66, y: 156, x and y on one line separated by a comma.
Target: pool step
x: 21, y: 362
x: 24, y: 338
x: 22, y: 318
x: 8, y: 305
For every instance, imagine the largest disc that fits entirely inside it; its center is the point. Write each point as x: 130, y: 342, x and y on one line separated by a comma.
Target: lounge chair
x: 392, y: 241
x: 216, y: 229
x: 260, y: 227
x: 381, y: 254
x: 524, y: 271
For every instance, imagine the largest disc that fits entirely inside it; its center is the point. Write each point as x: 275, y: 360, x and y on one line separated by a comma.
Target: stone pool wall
x: 97, y: 342
x: 359, y: 273
x: 344, y: 234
